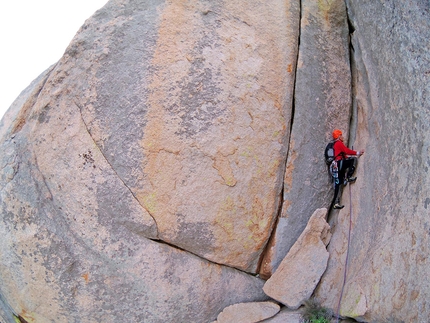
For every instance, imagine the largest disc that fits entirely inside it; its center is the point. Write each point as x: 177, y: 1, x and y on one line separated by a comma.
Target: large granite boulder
x: 388, y: 272
x: 148, y: 163
x: 190, y: 103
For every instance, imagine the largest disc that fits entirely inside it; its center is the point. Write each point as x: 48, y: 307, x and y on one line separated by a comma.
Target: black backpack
x: 329, y: 153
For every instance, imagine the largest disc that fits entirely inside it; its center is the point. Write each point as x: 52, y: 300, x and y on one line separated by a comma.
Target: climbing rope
x: 347, y: 253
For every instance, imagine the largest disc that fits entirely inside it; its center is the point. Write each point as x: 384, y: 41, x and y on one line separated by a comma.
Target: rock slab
x: 300, y: 271
x: 285, y: 316
x: 190, y: 103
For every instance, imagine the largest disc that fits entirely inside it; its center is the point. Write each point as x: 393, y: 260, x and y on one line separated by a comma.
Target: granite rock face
x: 190, y: 103
x: 388, y: 278
x: 148, y: 162
x: 322, y: 103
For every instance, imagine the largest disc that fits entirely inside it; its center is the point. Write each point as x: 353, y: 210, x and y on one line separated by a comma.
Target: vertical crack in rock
x: 354, y: 108
x: 294, y: 86
x: 293, y: 105
x: 271, y: 236
x: 354, y: 105
x: 113, y: 169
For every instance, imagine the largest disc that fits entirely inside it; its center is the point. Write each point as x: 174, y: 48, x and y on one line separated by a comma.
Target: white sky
x: 34, y: 35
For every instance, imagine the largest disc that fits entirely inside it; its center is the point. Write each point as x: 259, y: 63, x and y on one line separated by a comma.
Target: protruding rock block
x: 301, y: 270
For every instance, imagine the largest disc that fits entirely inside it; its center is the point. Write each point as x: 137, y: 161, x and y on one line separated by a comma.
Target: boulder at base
x: 299, y: 273
x: 285, y: 316
x: 248, y: 312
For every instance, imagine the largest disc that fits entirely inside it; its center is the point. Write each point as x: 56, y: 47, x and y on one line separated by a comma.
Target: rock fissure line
x: 293, y: 106
x: 352, y: 67
x: 113, y: 169
x: 275, y: 224
x: 200, y: 257
x: 354, y: 108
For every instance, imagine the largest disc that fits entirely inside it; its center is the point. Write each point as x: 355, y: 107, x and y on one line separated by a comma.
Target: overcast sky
x: 34, y: 35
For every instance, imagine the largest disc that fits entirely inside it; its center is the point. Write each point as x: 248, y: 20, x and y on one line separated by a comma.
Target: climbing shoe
x: 338, y: 206
x: 351, y: 179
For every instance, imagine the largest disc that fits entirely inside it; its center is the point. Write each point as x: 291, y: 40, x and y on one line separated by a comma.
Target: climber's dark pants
x: 345, y: 166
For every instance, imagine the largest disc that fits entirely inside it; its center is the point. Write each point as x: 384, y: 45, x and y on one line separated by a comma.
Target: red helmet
x: 336, y: 133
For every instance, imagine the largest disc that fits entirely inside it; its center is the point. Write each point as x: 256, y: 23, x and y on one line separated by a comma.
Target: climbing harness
x: 334, y: 171
x: 347, y: 253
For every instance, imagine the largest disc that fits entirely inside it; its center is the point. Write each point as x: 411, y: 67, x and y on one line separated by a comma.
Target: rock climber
x: 346, y: 164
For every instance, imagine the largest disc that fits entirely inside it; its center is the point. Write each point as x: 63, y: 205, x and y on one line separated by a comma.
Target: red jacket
x: 340, y: 150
